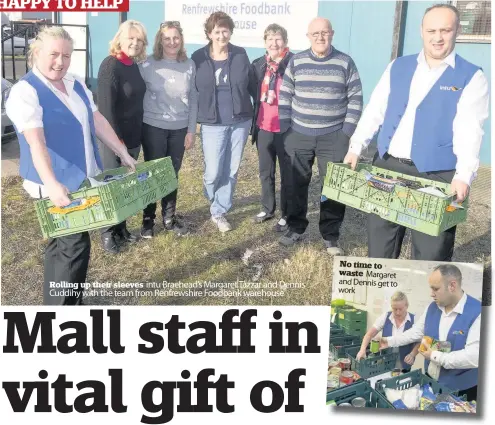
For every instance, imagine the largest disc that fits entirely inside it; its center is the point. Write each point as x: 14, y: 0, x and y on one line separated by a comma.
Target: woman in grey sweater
x: 170, y: 111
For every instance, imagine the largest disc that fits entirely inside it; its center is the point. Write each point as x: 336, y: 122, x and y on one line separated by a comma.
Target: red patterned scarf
x: 269, y: 83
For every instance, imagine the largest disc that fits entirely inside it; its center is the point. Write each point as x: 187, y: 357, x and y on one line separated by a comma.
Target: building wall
x: 363, y: 29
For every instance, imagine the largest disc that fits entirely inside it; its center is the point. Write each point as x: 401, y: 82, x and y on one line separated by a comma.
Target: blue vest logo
x: 450, y: 88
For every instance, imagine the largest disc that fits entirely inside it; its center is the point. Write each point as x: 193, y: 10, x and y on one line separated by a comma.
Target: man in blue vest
x: 455, y: 317
x: 393, y: 323
x: 429, y: 111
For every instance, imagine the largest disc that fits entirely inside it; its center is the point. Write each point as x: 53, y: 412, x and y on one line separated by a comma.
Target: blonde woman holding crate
x: 57, y: 124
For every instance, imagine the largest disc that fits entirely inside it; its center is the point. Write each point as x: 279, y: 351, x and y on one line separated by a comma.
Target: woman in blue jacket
x: 225, y: 86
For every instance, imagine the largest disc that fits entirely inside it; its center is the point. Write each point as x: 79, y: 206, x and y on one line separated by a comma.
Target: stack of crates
x: 352, y: 320
x: 359, y: 389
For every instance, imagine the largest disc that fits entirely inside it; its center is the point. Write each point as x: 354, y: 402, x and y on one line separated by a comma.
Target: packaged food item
x: 396, y: 372
x: 375, y: 346
x: 345, y: 405
x: 333, y: 364
x: 335, y: 371
x: 333, y: 382
x: 426, y: 339
x: 347, y: 377
x: 345, y: 364
x: 331, y: 403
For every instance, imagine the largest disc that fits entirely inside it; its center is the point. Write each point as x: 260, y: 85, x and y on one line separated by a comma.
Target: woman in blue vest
x: 120, y: 100
x: 57, y: 124
x: 393, y: 323
x: 225, y: 86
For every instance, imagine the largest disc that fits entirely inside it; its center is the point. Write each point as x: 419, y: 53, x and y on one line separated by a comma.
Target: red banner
x: 64, y: 5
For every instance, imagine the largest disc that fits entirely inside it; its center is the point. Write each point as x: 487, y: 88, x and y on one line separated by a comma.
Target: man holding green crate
x: 428, y: 110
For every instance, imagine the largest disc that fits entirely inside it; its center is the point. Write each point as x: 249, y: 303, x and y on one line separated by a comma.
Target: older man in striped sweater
x: 320, y: 105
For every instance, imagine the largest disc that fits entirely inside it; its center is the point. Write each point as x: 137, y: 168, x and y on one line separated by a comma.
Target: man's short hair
x: 449, y: 272
x: 445, y: 6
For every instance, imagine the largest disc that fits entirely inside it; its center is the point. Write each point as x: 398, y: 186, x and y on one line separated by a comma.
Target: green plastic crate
x: 407, y: 207
x: 349, y: 314
x: 336, y: 330
x: 113, y: 202
x: 372, y: 365
x: 410, y: 379
x: 338, y: 342
x: 355, y: 332
x: 359, y: 389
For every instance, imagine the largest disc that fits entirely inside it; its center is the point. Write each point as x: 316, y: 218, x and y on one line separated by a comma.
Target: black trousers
x: 66, y: 266
x: 302, y: 151
x: 385, y: 238
x: 109, y: 161
x: 159, y: 143
x: 270, y: 148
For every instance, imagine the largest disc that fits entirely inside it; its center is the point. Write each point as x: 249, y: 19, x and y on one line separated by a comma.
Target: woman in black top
x: 121, y: 92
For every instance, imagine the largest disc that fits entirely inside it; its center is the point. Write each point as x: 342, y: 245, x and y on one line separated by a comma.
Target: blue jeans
x: 223, y: 146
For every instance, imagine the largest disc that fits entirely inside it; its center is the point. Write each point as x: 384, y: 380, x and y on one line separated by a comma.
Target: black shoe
x: 109, y: 244
x: 147, y: 228
x: 289, y: 238
x: 124, y: 235
x: 174, y: 225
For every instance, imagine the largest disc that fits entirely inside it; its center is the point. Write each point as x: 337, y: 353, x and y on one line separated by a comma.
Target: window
x: 475, y: 21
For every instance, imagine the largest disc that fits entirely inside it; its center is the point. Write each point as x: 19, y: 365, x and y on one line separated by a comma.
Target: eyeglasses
x: 324, y: 34
x: 170, y: 24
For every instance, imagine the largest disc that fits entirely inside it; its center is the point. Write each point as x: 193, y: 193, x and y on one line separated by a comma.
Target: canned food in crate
x: 345, y: 405
x: 347, y: 377
x: 375, y: 346
x: 345, y: 364
x: 396, y: 371
x: 332, y: 364
x: 335, y: 371
x: 359, y: 402
x: 333, y: 382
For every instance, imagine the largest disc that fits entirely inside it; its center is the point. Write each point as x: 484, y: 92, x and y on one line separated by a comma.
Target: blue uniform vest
x: 455, y: 379
x: 432, y: 146
x: 405, y: 349
x: 64, y: 138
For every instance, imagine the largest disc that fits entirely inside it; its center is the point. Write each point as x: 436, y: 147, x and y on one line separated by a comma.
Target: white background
x: 244, y: 369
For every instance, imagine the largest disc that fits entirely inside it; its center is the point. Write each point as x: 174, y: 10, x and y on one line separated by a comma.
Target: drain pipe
x: 399, y: 29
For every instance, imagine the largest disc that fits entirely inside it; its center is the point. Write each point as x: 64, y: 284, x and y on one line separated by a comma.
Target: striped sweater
x: 321, y: 95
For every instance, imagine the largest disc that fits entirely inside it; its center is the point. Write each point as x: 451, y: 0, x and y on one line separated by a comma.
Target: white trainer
x: 222, y: 223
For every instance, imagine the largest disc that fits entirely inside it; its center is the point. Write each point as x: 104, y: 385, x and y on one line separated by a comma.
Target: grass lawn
x: 207, y: 255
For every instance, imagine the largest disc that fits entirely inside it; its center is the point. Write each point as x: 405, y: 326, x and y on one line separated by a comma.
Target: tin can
x: 345, y: 405
x: 375, y: 346
x: 358, y: 402
x: 347, y: 377
x: 333, y: 364
x: 335, y: 371
x: 345, y: 364
x: 396, y: 372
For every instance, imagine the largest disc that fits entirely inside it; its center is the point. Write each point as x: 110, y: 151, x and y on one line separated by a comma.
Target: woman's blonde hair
x: 125, y: 28
x: 399, y: 296
x: 45, y: 33
x: 158, y: 47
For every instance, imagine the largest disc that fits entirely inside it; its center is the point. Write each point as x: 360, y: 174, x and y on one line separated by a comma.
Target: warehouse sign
x: 250, y: 18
